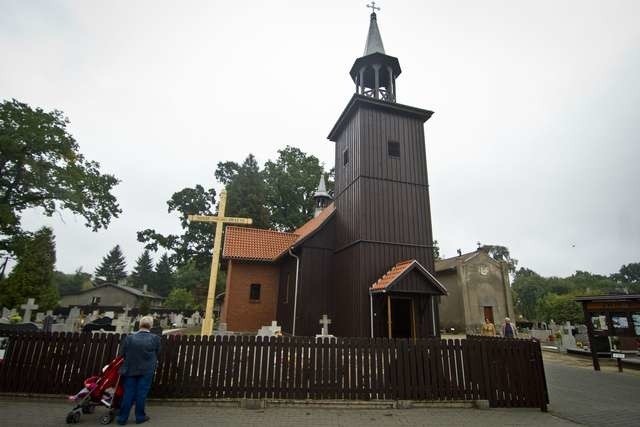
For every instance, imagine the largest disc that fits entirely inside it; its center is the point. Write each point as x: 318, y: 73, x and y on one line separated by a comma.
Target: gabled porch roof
x: 393, y: 280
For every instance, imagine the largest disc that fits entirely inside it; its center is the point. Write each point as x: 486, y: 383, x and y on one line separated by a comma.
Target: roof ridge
x: 264, y: 230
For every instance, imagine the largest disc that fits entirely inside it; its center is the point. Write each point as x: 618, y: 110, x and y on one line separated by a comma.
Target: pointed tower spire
x: 374, y: 40
x: 321, y: 196
x: 375, y: 72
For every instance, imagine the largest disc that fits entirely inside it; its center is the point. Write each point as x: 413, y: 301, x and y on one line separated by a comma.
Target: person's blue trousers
x: 136, y: 388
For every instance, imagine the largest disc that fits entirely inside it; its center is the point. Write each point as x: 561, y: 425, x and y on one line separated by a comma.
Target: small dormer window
x: 393, y: 148
x: 345, y: 156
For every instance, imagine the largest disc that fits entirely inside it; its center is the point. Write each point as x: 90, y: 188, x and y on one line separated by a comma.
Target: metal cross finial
x: 373, y: 7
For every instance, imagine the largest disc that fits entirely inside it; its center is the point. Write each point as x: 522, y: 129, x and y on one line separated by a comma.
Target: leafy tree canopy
x: 41, y: 167
x: 245, y: 190
x: 113, y: 267
x: 68, y: 284
x: 501, y: 253
x: 628, y: 277
x: 196, y: 241
x: 291, y: 181
x: 32, y: 277
x: 163, y: 279
x: 142, y: 273
x: 536, y: 296
x: 180, y: 299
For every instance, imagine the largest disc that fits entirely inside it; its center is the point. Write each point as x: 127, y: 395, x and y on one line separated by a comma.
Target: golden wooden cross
x: 220, y: 220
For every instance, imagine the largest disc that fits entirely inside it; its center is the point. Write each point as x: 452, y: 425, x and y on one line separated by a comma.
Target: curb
x: 283, y: 403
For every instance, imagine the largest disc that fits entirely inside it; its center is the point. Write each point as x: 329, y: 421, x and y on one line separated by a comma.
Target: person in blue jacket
x: 140, y: 352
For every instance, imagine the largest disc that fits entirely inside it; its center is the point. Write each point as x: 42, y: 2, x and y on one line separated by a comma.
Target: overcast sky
x: 534, y: 143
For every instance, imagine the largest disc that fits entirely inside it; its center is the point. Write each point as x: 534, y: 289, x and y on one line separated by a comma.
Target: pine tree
x: 112, y: 268
x: 32, y: 276
x: 143, y: 271
x: 164, y: 279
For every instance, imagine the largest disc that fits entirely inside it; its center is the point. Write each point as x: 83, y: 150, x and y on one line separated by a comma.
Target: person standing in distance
x: 508, y: 329
x: 140, y: 352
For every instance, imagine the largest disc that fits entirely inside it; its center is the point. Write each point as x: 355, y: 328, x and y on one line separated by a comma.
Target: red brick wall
x: 239, y: 312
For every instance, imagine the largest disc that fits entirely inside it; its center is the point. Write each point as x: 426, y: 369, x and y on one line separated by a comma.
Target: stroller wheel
x: 73, y: 417
x: 106, y: 419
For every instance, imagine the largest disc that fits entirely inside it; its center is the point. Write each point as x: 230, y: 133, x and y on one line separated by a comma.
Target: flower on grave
x: 15, y: 318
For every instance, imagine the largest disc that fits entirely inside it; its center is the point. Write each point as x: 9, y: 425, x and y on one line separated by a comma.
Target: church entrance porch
x: 400, y: 317
x: 404, y: 302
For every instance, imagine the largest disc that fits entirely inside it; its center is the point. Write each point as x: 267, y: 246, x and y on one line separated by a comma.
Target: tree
x: 68, y: 284
x: 32, y: 277
x: 628, y: 277
x: 163, y: 278
x: 190, y: 276
x: 41, y: 167
x: 245, y: 190
x: 180, y: 299
x: 113, y: 267
x: 529, y: 289
x: 290, y: 183
x: 196, y: 241
x: 142, y: 273
x: 501, y: 253
x: 436, y: 250
x: 561, y: 308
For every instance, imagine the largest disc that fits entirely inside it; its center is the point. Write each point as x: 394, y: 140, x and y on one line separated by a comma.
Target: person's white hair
x: 146, y: 322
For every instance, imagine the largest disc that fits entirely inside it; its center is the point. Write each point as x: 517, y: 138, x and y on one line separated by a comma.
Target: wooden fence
x: 506, y: 372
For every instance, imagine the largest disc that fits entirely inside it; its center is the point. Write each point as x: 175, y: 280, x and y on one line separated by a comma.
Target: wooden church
x: 366, y: 258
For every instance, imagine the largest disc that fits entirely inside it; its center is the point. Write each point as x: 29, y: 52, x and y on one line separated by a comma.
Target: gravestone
x: 325, y: 322
x: 28, y: 307
x: 197, y: 319
x: 71, y: 323
x: 47, y: 323
x: 110, y: 314
x: 122, y: 324
x: 178, y: 320
x: 566, y: 336
x: 270, y: 331
x: 39, y: 317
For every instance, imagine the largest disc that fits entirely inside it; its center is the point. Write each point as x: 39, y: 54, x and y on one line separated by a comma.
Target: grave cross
x: 30, y: 305
x: 220, y: 220
x: 373, y: 7
x: 325, y: 322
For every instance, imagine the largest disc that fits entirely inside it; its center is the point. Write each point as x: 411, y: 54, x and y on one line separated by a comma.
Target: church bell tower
x: 381, y: 194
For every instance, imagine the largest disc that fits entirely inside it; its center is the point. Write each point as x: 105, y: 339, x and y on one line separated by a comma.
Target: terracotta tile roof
x: 255, y: 244
x: 313, y: 224
x: 391, y: 275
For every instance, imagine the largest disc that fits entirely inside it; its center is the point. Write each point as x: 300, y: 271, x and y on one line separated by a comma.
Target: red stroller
x: 102, y: 390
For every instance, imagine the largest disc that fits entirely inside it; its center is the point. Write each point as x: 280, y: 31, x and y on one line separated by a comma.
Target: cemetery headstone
x: 28, y: 307
x: 271, y: 330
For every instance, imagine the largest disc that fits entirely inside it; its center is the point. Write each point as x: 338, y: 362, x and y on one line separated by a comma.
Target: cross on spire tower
x: 375, y: 72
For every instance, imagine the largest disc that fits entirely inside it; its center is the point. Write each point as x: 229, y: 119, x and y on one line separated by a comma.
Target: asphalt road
x: 580, y: 394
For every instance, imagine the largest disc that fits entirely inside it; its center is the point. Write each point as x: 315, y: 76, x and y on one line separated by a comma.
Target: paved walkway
x: 578, y: 393
x: 52, y: 413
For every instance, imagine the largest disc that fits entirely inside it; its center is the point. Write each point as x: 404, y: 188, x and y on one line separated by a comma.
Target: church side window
x: 393, y: 148
x: 345, y: 156
x: 95, y: 300
x: 286, y: 291
x: 254, y: 292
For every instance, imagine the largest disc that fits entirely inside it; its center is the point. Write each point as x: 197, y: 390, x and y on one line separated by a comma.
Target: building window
x: 286, y: 291
x: 345, y: 156
x: 95, y: 300
x: 254, y: 292
x: 393, y: 148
